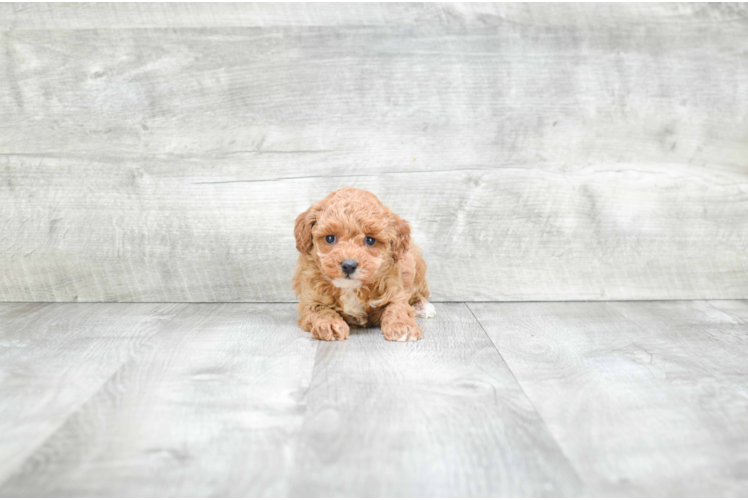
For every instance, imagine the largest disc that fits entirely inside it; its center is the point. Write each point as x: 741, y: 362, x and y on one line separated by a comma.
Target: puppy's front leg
x: 323, y: 322
x: 399, y: 324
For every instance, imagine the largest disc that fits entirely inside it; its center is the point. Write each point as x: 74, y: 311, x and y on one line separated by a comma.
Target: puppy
x: 358, y: 267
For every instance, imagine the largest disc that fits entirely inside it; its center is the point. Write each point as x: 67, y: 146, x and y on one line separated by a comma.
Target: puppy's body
x: 362, y: 305
x: 387, y: 286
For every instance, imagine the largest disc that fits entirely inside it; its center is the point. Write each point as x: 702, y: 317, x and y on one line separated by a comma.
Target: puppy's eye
x: 370, y: 241
x: 330, y: 239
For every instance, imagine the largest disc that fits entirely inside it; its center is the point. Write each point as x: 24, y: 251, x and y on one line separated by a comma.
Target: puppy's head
x: 351, y: 236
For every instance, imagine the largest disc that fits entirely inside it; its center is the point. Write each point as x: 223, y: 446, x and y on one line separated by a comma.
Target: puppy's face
x: 351, y: 237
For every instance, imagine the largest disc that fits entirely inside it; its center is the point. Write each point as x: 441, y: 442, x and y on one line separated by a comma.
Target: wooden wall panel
x: 79, y: 15
x: 541, y: 152
x: 508, y: 234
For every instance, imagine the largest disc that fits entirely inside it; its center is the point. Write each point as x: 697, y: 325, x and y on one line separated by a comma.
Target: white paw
x: 425, y: 310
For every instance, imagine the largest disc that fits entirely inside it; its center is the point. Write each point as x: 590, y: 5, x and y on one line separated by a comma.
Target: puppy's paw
x: 424, y: 309
x: 402, y: 332
x: 330, y: 329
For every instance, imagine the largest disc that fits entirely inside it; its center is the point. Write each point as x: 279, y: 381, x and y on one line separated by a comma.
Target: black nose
x: 349, y: 266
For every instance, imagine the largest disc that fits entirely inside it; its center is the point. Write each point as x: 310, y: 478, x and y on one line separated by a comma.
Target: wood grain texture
x: 439, y: 417
x: 559, y: 152
x: 598, y: 399
x: 646, y: 399
x: 210, y: 408
x: 54, y: 357
x: 511, y: 234
x: 26, y: 16
x: 738, y: 309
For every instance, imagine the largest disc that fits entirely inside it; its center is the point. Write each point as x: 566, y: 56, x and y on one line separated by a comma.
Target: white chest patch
x: 346, y: 284
x: 351, y: 305
x: 348, y: 298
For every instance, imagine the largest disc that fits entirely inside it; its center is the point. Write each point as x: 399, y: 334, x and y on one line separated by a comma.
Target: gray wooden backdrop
x: 160, y: 152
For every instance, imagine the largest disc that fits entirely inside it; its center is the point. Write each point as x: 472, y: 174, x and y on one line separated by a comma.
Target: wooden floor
x: 499, y: 399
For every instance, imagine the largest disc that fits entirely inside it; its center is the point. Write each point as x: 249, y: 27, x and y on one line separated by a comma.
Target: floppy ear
x: 401, y: 243
x: 303, y: 230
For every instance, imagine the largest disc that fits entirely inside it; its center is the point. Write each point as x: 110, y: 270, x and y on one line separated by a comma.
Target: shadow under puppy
x: 357, y: 267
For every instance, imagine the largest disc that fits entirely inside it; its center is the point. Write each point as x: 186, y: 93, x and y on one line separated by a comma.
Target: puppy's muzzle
x: 349, y: 266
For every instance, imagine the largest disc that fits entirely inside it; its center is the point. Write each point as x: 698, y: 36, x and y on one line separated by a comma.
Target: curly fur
x: 389, y: 281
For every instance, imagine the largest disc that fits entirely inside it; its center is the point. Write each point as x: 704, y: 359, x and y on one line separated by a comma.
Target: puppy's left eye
x: 370, y: 241
x: 330, y: 239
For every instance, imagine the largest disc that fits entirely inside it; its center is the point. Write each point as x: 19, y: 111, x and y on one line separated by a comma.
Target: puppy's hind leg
x: 424, y: 309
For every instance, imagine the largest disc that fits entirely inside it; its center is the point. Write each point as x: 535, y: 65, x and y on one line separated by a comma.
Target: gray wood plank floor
x: 499, y: 399
x: 645, y: 398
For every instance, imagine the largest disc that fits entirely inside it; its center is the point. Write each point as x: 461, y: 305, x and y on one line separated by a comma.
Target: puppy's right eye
x: 330, y: 239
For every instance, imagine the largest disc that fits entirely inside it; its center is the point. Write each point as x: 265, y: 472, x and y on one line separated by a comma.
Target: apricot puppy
x: 357, y: 267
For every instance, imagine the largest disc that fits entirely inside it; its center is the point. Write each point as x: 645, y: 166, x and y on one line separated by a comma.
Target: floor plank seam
x: 80, y: 407
x: 19, y: 469
x: 295, y: 464
x: 532, y: 404
x: 716, y: 377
